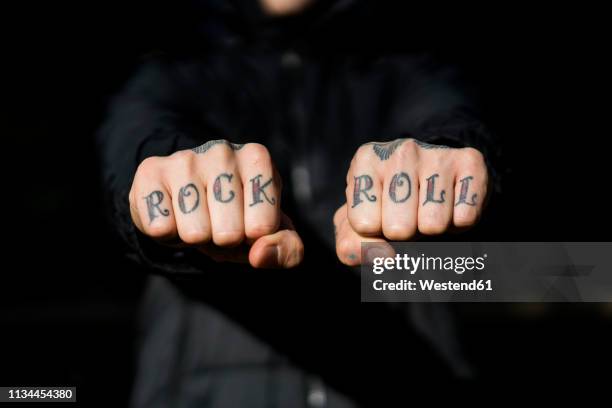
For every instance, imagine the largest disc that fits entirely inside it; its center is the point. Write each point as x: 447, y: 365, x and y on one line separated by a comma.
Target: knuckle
x: 182, y: 157
x: 408, y: 147
x: 432, y: 226
x: 363, y: 149
x: 362, y: 156
x: 257, y: 153
x: 258, y: 230
x: 398, y: 232
x: 473, y: 157
x: 160, y: 230
x: 149, y: 166
x: 196, y: 236
x: 181, y: 161
x: 439, y: 160
x: 465, y: 221
x: 366, y: 226
x: 465, y: 217
x: 228, y: 238
x: 406, y: 152
x: 222, y: 152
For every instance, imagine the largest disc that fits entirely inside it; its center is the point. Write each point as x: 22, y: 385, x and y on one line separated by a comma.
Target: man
x: 248, y: 155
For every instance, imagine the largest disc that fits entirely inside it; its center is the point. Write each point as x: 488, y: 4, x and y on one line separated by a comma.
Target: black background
x: 68, y: 299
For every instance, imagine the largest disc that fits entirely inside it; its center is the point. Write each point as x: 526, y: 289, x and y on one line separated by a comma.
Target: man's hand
x: 221, y: 198
x: 398, y: 189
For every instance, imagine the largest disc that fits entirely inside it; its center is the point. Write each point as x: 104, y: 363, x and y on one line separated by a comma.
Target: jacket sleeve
x: 155, y: 114
x: 437, y: 104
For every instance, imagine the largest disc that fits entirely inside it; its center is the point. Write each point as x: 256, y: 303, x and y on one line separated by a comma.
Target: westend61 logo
x: 412, y: 264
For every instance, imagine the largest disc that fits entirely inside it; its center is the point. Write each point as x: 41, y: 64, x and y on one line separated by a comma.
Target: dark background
x: 68, y: 300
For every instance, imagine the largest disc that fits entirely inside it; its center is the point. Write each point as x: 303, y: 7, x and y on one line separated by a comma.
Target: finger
x: 223, y: 194
x: 363, y: 193
x: 289, y: 253
x: 282, y: 249
x: 188, y: 198
x: 348, y: 242
x: 153, y: 201
x: 261, y: 189
x: 400, y: 197
x: 470, y: 188
x: 436, y: 192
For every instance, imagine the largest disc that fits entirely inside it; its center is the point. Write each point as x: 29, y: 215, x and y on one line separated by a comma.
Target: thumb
x: 348, y: 242
x: 283, y: 249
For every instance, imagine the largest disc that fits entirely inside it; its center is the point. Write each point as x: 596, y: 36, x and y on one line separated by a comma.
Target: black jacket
x: 225, y: 335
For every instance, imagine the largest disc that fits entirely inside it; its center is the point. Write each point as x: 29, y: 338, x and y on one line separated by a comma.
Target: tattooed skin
x: 385, y: 150
x: 362, y: 184
x: 258, y: 190
x: 153, y: 205
x: 186, y: 191
x: 206, y: 146
x: 398, y: 181
x: 217, y: 188
x: 465, y: 185
x: 431, y: 186
x: 429, y: 146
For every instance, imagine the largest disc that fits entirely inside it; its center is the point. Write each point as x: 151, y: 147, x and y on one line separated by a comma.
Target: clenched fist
x: 404, y: 187
x: 221, y: 198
